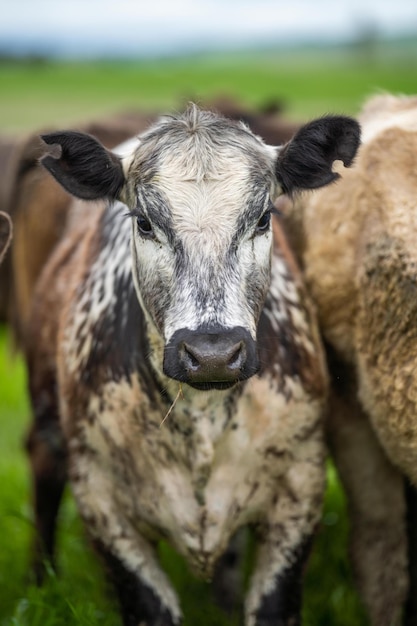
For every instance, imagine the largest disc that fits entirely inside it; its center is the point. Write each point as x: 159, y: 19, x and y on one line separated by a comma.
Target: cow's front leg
x: 281, y: 601
x: 145, y: 594
x: 141, y: 603
x: 285, y: 538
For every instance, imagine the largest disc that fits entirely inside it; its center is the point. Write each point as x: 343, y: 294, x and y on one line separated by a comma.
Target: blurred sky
x: 154, y: 27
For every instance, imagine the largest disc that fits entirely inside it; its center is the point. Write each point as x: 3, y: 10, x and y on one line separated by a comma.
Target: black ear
x: 83, y: 166
x: 305, y: 162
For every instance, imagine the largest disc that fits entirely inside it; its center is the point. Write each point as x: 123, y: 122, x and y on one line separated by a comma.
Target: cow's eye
x: 144, y: 226
x: 263, y: 224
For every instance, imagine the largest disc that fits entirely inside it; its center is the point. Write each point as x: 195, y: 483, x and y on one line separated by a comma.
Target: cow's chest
x: 194, y: 478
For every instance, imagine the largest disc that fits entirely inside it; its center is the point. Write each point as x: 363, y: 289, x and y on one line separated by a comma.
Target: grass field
x: 34, y: 95
x: 310, y: 83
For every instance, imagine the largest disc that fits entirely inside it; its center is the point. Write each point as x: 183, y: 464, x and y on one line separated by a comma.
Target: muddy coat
x: 189, y: 371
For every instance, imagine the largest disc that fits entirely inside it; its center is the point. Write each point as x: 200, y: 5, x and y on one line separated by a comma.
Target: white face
x: 201, y: 230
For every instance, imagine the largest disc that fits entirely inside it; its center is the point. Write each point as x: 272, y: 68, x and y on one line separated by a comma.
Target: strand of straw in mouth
x: 177, y: 397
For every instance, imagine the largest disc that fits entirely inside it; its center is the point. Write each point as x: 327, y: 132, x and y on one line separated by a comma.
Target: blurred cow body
x: 357, y: 243
x: 5, y: 234
x: 39, y: 210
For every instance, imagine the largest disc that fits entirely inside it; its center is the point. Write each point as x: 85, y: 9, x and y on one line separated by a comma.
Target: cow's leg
x: 140, y: 602
x: 145, y: 594
x: 228, y: 575
x: 281, y: 600
x: 410, y: 613
x: 275, y: 593
x: 375, y: 498
x: 47, y: 455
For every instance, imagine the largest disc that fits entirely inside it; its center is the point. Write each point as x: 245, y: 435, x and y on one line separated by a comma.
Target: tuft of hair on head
x: 193, y: 116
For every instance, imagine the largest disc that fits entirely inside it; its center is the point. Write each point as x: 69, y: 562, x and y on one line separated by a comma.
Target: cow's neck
x: 192, y: 421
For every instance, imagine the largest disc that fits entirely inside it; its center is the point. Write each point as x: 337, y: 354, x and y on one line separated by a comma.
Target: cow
x: 269, y: 120
x: 356, y: 242
x: 8, y: 148
x: 175, y: 370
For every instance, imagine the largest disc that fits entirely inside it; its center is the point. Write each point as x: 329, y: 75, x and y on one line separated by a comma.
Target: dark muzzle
x: 214, y: 358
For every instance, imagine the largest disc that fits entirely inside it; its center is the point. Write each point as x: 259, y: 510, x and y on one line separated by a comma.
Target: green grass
x: 310, y: 83
x: 51, y: 94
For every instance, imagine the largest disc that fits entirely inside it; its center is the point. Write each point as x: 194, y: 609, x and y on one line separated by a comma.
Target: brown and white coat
x: 190, y: 376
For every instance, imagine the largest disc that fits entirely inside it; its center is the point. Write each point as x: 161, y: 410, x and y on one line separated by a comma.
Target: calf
x: 175, y: 369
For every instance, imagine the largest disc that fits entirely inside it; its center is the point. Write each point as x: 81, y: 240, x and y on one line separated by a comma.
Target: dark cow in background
x: 39, y: 209
x: 175, y: 369
x: 5, y: 234
x: 8, y: 149
x: 269, y: 121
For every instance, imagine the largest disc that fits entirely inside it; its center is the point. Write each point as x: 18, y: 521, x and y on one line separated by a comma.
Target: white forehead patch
x: 205, y: 213
x: 209, y: 186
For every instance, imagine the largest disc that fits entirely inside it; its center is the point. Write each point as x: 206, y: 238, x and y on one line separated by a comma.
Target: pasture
x: 44, y: 94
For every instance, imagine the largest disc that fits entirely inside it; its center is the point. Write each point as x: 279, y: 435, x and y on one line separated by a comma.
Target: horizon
x: 101, y: 29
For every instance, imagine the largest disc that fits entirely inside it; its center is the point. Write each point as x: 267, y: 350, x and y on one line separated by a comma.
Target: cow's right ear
x: 306, y: 161
x: 83, y: 166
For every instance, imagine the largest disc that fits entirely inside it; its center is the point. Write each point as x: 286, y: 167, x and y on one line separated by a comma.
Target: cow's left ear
x: 84, y: 167
x: 305, y: 162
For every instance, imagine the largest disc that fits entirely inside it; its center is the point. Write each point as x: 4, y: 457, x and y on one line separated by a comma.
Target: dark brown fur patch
x: 285, y: 347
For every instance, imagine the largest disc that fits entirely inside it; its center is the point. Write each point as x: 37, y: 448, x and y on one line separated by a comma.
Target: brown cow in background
x: 357, y: 243
x: 5, y: 233
x: 39, y: 209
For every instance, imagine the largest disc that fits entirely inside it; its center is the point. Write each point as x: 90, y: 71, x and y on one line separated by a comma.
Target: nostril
x: 190, y: 359
x: 237, y: 358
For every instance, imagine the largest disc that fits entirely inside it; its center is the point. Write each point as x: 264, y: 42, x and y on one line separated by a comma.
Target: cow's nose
x: 206, y: 359
x: 216, y: 359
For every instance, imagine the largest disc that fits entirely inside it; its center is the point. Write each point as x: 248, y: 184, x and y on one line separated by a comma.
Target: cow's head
x: 200, y: 190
